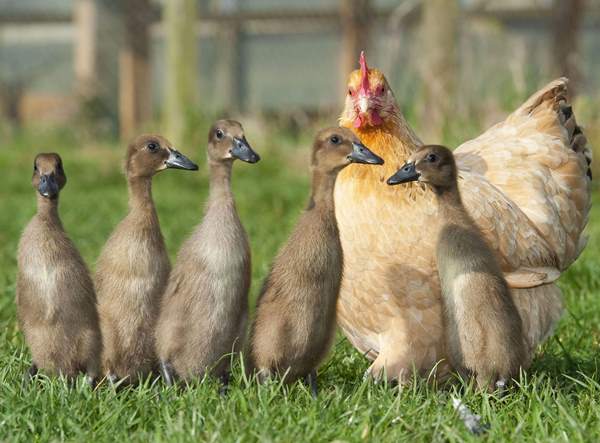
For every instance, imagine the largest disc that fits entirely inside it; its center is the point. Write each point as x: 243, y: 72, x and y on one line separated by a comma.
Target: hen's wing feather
x: 511, y: 234
x: 539, y: 159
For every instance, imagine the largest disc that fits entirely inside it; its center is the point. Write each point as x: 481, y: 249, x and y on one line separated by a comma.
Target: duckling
x: 484, y: 330
x: 56, y: 302
x: 133, y: 267
x: 295, y: 314
x: 204, y: 309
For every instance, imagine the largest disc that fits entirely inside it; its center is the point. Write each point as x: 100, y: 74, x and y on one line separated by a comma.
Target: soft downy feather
x: 526, y: 184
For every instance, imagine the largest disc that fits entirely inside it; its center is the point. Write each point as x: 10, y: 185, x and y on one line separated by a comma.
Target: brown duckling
x: 295, y: 316
x: 205, y: 307
x: 133, y: 267
x: 56, y: 303
x: 484, y: 332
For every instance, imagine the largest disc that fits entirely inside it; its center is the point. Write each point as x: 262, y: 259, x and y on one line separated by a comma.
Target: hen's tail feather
x: 550, y: 110
x: 578, y: 143
x: 577, y: 139
x: 555, y: 94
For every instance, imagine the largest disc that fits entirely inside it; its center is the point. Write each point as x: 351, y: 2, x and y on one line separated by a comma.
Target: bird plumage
x: 526, y: 184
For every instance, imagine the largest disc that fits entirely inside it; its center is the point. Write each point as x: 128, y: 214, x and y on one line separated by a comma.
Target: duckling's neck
x: 140, y: 193
x: 220, y: 182
x: 323, y: 184
x: 450, y: 205
x: 47, y: 210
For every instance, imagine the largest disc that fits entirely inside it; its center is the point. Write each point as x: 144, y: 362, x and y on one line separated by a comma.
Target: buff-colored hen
x: 525, y: 181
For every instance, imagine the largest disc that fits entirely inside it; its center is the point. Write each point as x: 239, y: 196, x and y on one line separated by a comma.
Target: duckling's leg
x: 263, y: 375
x: 92, y: 372
x: 311, y: 380
x: 112, y: 378
x: 486, y: 381
x: 29, y: 374
x: 167, y: 372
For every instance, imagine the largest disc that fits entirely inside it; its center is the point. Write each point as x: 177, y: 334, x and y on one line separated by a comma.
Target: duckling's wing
x: 527, y: 277
x: 539, y: 159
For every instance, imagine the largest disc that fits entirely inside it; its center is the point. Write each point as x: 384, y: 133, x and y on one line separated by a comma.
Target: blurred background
x: 112, y: 68
x: 81, y: 77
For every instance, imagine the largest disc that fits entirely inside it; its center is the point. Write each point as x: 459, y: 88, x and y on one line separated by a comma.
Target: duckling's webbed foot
x: 225, y: 378
x: 91, y: 381
x: 501, y: 386
x: 311, y: 381
x: 167, y: 372
x: 29, y: 375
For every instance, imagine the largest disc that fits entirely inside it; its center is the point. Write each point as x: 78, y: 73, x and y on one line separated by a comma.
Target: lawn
x: 557, y: 400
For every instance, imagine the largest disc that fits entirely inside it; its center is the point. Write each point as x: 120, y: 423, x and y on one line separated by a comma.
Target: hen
x: 525, y: 181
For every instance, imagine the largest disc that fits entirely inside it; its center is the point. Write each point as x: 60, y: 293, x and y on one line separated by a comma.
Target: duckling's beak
x: 405, y: 174
x: 242, y: 150
x: 177, y: 160
x: 362, y: 154
x: 48, y: 187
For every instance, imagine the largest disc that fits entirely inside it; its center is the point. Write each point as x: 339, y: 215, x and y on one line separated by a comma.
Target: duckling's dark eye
x: 34, y: 167
x: 219, y: 134
x: 335, y: 140
x: 59, y: 168
x: 152, y: 147
x: 431, y: 158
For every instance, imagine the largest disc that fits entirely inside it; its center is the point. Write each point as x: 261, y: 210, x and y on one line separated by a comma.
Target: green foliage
x: 558, y: 399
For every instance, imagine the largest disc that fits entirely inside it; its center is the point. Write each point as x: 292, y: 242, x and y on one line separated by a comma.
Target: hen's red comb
x: 364, y: 72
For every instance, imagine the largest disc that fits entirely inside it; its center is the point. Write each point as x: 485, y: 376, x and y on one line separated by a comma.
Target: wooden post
x: 135, y: 94
x: 439, y: 34
x: 86, y: 26
x: 229, y: 67
x: 182, y: 70
x: 568, y: 18
x: 355, y: 18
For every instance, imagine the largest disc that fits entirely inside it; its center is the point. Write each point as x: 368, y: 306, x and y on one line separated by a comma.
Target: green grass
x: 558, y: 399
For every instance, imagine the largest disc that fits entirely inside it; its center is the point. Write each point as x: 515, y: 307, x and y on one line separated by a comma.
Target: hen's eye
x: 335, y: 140
x: 380, y: 90
x: 152, y: 147
x: 219, y: 134
x: 350, y: 92
x: 431, y: 158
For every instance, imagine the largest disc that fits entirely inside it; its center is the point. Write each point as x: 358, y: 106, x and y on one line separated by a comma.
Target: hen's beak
x: 362, y: 154
x: 48, y: 187
x: 177, y: 160
x: 405, y: 174
x: 242, y: 150
x: 363, y: 104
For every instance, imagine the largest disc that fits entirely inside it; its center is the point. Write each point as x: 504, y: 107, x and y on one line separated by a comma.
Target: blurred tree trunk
x: 230, y: 72
x: 568, y: 18
x: 85, y: 16
x: 439, y: 34
x: 11, y: 97
x: 229, y: 67
x: 135, y: 93
x: 356, y: 16
x: 182, y: 70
